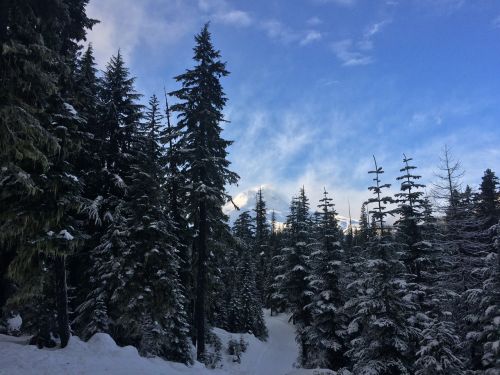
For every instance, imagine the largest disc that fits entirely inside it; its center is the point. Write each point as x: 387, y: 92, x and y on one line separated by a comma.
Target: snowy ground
x: 100, y: 355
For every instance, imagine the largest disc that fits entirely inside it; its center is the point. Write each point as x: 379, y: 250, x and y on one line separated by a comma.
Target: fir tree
x: 39, y: 140
x: 118, y: 119
x: 245, y: 299
x: 377, y: 308
x: 205, y: 165
x: 328, y: 320
x: 488, y: 199
x: 261, y: 247
x: 292, y: 283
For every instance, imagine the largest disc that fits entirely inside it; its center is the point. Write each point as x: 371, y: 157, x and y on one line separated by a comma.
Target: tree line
x: 418, y: 296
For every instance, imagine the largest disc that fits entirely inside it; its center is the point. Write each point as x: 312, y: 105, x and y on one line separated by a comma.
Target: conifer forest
x: 112, y: 225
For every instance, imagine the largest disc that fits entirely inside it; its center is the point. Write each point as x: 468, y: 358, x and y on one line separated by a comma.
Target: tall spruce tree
x: 246, y: 303
x: 326, y: 334
x: 118, y: 120
x: 292, y: 283
x: 150, y: 297
x: 377, y: 307
x: 39, y: 139
x: 261, y: 246
x: 205, y: 163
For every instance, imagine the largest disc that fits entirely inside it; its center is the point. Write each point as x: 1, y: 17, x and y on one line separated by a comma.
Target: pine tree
x: 292, y: 284
x: 489, y: 334
x: 378, y: 309
x: 261, y: 249
x: 487, y: 201
x: 205, y: 164
x: 245, y: 298
x: 438, y: 350
x: 118, y: 119
x: 176, y: 201
x: 277, y: 301
x: 328, y: 320
x: 39, y: 140
x: 150, y: 290
x: 362, y: 234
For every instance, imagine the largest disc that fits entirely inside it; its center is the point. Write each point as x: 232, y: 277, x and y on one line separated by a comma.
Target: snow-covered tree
x: 261, y: 245
x: 205, y: 163
x: 40, y: 139
x: 292, y: 283
x: 377, y: 308
x: 326, y: 334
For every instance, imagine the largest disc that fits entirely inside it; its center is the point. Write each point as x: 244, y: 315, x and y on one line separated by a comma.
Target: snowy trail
x: 277, y: 355
x: 282, y: 350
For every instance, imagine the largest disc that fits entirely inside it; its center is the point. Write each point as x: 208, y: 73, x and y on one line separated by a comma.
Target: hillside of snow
x: 101, y: 355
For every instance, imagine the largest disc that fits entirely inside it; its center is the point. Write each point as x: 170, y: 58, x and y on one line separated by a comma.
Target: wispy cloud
x: 345, y: 51
x: 221, y: 11
x: 355, y: 53
x: 337, y: 2
x: 375, y: 28
x: 128, y: 24
x: 277, y: 30
x: 314, y: 21
x: 311, y: 36
x: 234, y: 17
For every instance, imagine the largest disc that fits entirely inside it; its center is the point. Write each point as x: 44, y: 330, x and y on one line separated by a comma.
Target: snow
x: 65, y: 235
x: 14, y: 323
x: 70, y: 109
x: 101, y: 355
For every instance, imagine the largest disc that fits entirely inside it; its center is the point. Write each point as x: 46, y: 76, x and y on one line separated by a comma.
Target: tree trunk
x: 201, y: 283
x: 62, y: 300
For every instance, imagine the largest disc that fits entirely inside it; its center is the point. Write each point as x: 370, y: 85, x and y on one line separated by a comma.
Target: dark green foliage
x: 381, y: 336
x: 261, y: 247
x: 292, y: 284
x: 39, y: 141
x: 327, y: 332
x: 205, y: 166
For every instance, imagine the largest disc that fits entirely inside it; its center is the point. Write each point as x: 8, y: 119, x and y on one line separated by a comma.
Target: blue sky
x: 318, y: 86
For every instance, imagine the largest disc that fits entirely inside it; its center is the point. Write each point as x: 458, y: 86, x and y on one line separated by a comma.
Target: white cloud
x: 128, y: 24
x: 375, y: 28
x: 347, y: 54
x: 354, y: 53
x: 221, y: 11
x: 277, y: 30
x: 234, y: 17
x: 311, y: 36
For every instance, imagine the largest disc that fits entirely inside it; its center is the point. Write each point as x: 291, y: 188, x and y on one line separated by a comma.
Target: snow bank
x: 101, y: 355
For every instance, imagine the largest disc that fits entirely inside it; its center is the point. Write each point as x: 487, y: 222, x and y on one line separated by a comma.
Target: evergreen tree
x: 151, y: 292
x: 363, y: 232
x: 326, y: 334
x: 246, y: 304
x: 293, y: 283
x: 488, y: 199
x: 439, y: 345
x: 205, y: 164
x: 261, y: 247
x: 39, y: 140
x: 378, y: 309
x: 118, y: 120
x: 176, y: 201
x: 277, y: 301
